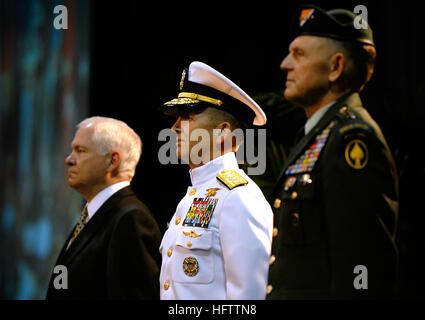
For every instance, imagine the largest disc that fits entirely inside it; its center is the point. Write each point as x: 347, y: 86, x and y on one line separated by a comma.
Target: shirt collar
x: 314, y: 119
x: 210, y: 169
x: 104, y: 195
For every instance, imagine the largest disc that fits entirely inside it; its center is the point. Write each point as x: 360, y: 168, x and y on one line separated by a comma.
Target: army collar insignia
x: 308, y: 159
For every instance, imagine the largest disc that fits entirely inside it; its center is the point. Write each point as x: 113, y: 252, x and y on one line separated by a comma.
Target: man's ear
x: 224, y: 128
x: 337, y: 66
x: 115, y: 162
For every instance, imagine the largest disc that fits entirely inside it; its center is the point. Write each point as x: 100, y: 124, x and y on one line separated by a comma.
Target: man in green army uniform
x: 336, y: 201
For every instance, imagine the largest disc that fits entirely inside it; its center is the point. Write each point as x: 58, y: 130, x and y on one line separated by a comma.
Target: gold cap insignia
x: 190, y: 266
x: 356, y: 154
x: 182, y: 79
x: 231, y: 178
x: 211, y: 192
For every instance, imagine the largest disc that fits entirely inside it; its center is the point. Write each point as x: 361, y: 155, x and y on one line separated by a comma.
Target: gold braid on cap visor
x: 193, y: 98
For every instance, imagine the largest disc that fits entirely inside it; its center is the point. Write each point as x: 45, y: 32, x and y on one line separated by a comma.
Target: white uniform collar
x: 210, y: 169
x: 314, y: 119
x: 104, y: 195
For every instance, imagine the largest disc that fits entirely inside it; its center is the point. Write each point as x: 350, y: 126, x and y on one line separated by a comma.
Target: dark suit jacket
x: 341, y: 214
x: 116, y: 254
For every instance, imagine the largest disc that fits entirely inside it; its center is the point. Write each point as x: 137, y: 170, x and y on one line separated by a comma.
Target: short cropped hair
x: 361, y: 60
x: 215, y: 116
x: 111, y: 135
x: 219, y: 116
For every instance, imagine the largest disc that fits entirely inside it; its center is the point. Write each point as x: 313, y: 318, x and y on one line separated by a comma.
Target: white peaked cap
x: 202, y: 73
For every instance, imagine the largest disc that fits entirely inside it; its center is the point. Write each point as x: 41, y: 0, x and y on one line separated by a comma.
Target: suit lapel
x: 102, y: 216
x: 62, y: 252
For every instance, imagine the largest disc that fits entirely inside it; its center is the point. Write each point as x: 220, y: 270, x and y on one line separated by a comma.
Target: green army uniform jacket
x: 335, y: 211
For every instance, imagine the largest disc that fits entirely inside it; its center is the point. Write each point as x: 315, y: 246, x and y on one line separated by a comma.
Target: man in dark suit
x: 112, y: 253
x: 336, y: 202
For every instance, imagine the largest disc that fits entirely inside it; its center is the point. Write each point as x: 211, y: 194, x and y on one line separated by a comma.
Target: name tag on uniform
x: 200, y: 212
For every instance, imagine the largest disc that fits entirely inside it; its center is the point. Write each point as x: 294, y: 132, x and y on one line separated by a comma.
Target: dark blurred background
x: 123, y: 59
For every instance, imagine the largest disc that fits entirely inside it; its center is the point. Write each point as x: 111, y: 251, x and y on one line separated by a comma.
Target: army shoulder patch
x: 200, y: 212
x: 356, y: 154
x: 231, y: 179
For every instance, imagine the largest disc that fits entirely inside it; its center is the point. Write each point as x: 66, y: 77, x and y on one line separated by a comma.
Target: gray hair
x: 114, y: 135
x: 361, y: 59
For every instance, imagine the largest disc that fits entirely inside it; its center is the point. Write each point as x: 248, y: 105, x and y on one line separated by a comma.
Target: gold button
x: 178, y: 219
x: 294, y: 195
x: 275, y: 232
x: 269, y: 289
x: 192, y: 192
x: 277, y: 203
x: 166, y: 285
x: 295, y: 219
x: 169, y: 252
x: 189, y: 244
x: 272, y: 259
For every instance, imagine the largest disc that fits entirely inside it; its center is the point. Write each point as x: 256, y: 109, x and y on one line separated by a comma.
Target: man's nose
x: 69, y: 160
x: 177, y: 125
x: 285, y: 64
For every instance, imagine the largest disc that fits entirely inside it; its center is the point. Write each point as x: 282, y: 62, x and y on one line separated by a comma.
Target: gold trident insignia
x: 212, y: 192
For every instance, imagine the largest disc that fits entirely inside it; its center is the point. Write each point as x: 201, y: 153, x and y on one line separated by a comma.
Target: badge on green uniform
x: 356, y: 154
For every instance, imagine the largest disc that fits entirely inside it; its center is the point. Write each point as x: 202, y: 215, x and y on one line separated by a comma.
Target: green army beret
x: 339, y: 24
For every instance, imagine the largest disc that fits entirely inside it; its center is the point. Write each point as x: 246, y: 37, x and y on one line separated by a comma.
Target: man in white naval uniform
x: 218, y: 242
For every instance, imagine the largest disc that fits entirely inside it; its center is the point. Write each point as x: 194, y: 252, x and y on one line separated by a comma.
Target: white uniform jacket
x: 218, y: 242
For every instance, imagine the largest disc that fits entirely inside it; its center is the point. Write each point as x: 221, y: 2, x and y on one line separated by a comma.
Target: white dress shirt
x: 314, y: 119
x: 230, y: 256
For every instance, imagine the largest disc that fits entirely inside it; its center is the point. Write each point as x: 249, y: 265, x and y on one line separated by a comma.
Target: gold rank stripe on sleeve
x: 231, y: 179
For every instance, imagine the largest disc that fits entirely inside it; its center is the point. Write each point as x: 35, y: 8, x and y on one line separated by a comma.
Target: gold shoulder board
x: 231, y: 178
